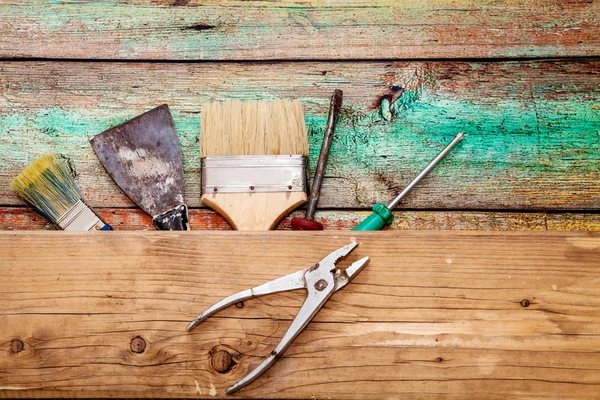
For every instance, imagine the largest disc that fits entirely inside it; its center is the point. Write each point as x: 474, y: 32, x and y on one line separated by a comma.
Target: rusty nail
x: 239, y: 304
x: 290, y: 187
x: 439, y: 359
x: 221, y: 361
x: 16, y: 346
x: 138, y: 344
x: 214, y: 189
x: 321, y: 284
x: 251, y: 187
x: 525, y: 303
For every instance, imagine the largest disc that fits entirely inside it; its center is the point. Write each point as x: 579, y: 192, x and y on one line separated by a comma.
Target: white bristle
x: 253, y: 128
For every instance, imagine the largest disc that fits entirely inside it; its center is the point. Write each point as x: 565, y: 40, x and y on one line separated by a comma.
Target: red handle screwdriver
x: 308, y: 223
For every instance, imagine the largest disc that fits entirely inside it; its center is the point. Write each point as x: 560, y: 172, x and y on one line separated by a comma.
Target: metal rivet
x: 321, y: 284
x: 525, y: 303
x: 138, y: 344
x: 239, y: 304
x: 221, y: 361
x: 16, y: 346
x: 251, y: 187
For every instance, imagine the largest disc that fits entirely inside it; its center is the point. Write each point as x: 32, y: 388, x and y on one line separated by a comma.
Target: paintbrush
x: 254, y: 161
x: 47, y: 186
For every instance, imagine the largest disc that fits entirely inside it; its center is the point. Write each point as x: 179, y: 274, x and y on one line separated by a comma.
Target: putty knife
x: 143, y: 157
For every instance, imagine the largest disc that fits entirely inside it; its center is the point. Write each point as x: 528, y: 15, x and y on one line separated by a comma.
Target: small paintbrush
x: 254, y: 161
x: 48, y: 187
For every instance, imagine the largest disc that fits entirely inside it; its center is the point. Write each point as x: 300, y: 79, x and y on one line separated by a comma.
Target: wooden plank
x: 435, y: 314
x: 531, y: 127
x: 19, y: 218
x: 266, y: 30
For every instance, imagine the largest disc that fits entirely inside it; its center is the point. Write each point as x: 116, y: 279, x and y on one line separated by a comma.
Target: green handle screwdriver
x: 382, y: 215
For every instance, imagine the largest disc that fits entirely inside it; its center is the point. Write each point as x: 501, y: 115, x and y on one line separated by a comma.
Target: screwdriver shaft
x: 427, y: 169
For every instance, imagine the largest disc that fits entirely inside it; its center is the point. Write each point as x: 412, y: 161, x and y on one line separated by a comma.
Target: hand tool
x: 321, y: 281
x: 143, y: 157
x: 308, y: 223
x: 383, y: 215
x: 254, y: 158
x: 47, y: 186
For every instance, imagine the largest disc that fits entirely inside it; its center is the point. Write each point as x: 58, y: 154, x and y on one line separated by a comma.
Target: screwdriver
x: 308, y: 223
x: 382, y: 215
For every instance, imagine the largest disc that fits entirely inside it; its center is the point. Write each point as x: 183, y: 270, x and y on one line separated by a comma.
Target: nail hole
x: 138, y: 344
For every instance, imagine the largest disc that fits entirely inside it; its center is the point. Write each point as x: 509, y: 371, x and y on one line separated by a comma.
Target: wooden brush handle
x: 254, y: 211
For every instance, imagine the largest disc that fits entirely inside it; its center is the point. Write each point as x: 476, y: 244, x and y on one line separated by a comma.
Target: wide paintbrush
x: 254, y: 160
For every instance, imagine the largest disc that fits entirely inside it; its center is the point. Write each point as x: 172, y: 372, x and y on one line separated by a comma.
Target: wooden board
x: 290, y: 30
x: 19, y: 218
x: 435, y: 314
x: 531, y: 127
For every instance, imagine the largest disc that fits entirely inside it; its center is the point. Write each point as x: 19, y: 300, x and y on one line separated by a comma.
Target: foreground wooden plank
x: 243, y: 30
x: 531, y: 127
x: 19, y: 218
x: 435, y: 314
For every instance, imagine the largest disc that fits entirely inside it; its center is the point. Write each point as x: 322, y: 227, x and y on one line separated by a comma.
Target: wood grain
x: 290, y: 30
x: 19, y: 218
x: 531, y: 128
x: 254, y: 211
x: 435, y: 314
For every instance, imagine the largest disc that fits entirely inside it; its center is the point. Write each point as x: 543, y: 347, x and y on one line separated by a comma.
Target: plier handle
x: 320, y: 280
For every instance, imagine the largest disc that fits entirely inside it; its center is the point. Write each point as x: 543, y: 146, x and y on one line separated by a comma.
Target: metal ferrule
x: 248, y: 174
x: 80, y: 218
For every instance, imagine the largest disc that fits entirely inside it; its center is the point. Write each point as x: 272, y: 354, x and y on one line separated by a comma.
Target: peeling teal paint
x: 405, y: 101
x: 556, y: 142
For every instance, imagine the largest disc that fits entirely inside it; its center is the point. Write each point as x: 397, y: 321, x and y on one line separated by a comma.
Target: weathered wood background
x: 532, y: 124
x: 520, y: 78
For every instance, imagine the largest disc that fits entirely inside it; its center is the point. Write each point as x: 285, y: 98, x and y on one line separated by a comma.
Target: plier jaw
x: 321, y: 281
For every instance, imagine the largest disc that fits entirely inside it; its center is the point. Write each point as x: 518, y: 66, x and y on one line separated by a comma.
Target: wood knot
x: 138, y: 344
x: 525, y: 303
x: 221, y: 361
x: 16, y: 346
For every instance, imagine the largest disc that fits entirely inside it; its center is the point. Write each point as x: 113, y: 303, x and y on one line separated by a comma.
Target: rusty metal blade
x: 143, y: 157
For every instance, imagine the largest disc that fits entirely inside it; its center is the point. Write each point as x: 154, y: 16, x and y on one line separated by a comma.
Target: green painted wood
x: 253, y: 30
x: 532, y: 128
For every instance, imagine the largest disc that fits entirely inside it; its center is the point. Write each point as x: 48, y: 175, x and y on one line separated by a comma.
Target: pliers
x: 320, y: 280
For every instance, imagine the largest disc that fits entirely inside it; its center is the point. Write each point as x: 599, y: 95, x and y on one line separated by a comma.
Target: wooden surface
x: 17, y: 218
x: 531, y: 128
x: 435, y: 314
x: 266, y: 30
